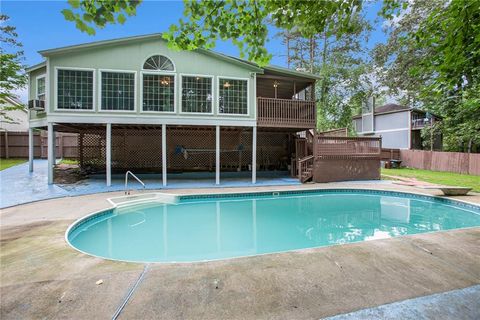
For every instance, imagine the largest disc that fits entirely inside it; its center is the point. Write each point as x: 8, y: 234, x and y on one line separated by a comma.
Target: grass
x: 68, y: 161
x: 438, y: 177
x: 7, y: 163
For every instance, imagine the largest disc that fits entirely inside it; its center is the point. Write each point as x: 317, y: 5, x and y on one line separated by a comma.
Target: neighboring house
x: 140, y: 106
x: 399, y: 126
x: 13, y: 120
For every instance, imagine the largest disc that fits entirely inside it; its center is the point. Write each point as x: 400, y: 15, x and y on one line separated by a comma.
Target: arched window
x: 159, y: 63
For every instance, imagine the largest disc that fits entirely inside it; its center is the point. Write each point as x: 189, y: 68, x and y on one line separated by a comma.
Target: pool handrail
x: 127, y: 191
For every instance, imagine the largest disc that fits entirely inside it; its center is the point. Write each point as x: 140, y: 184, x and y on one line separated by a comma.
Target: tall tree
x: 12, y: 75
x: 436, y: 59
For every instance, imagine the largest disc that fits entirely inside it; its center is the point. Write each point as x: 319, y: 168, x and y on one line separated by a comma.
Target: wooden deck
x: 286, y: 113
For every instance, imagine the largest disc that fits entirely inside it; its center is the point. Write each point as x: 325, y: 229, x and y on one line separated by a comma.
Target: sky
x: 41, y: 25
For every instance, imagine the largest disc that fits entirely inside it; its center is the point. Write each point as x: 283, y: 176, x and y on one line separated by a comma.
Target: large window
x: 118, y: 91
x: 74, y: 89
x: 197, y: 94
x: 158, y: 92
x: 41, y: 88
x: 233, y: 96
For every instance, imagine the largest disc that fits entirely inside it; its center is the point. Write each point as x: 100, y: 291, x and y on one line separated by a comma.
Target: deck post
x: 108, y: 161
x: 50, y: 151
x: 30, y: 149
x: 164, y: 154
x: 217, y: 155
x: 254, y: 155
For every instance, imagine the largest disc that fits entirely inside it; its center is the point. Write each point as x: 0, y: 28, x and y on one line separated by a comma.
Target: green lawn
x: 69, y: 161
x: 7, y: 163
x: 447, y: 178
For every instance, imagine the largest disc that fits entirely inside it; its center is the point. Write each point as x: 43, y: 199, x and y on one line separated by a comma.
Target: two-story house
x: 138, y: 105
x: 399, y: 126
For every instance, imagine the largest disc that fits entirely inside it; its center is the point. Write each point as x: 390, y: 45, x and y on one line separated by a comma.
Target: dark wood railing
x: 347, y: 147
x: 285, y: 113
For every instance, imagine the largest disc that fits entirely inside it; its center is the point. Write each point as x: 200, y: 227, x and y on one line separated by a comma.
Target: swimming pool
x: 199, y: 228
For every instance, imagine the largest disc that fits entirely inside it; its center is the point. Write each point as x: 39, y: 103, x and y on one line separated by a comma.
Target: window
x: 159, y: 63
x: 118, y: 91
x: 74, y: 89
x: 41, y: 88
x: 196, y: 94
x: 158, y: 92
x: 233, y: 96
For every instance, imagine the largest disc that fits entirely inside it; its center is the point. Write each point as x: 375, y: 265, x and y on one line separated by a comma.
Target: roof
x: 36, y: 66
x: 393, y: 108
x: 245, y: 63
x: 13, y: 100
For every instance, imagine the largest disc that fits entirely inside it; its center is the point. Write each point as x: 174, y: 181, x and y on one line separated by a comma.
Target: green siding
x: 131, y: 56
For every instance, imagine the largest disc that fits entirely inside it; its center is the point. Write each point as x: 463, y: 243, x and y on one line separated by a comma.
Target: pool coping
x: 80, y: 221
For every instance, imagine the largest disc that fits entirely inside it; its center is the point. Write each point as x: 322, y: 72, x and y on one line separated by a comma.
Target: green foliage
x: 433, y: 58
x: 12, y: 75
x: 339, y: 58
x: 244, y: 22
x: 88, y: 14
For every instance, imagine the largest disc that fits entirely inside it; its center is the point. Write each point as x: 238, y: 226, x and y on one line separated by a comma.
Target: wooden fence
x: 15, y: 145
x: 465, y: 163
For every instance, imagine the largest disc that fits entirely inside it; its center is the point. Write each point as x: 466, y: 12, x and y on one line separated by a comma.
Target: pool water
x: 219, y: 228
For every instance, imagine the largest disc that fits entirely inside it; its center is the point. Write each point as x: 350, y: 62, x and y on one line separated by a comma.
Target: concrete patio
x: 42, y: 277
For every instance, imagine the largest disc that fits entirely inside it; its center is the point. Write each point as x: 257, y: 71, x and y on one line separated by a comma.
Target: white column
x: 164, y: 154
x: 254, y: 155
x: 217, y: 158
x: 108, y: 153
x: 30, y: 150
x: 50, y: 152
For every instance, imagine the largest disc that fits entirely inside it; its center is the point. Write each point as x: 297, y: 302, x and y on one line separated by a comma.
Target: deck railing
x: 286, y: 113
x: 347, y: 147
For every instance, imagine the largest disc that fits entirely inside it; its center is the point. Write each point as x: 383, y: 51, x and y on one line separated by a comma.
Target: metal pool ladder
x: 127, y: 191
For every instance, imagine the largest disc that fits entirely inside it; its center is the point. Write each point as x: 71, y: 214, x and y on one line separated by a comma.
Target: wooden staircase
x: 305, y: 168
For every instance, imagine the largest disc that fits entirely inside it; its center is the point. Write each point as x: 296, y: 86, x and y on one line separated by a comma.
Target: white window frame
x: 181, y: 75
x: 42, y: 76
x: 158, y: 54
x: 160, y: 73
x: 218, y: 97
x: 94, y: 93
x: 135, y: 88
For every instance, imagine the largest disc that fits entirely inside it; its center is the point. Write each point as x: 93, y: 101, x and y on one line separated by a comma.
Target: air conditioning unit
x: 37, y: 105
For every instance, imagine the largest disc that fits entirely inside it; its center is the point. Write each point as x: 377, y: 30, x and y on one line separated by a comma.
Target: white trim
x: 218, y: 97
x: 51, y: 145
x: 254, y: 96
x: 47, y: 87
x: 94, y: 100
x: 108, y: 153
x: 42, y: 76
x: 135, y: 88
x: 174, y: 75
x: 158, y: 54
x: 181, y: 75
x: 410, y: 129
x: 392, y: 130
x: 164, y: 155
x: 217, y: 155
x: 147, y: 119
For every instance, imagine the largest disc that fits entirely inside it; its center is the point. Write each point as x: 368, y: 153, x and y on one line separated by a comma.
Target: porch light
x: 275, y: 83
x: 226, y: 85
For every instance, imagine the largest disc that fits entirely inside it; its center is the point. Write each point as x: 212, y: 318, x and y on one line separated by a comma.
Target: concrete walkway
x: 18, y: 186
x: 42, y: 277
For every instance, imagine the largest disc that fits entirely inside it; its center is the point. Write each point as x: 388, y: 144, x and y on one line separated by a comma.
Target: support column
x: 50, y: 152
x: 254, y: 155
x: 30, y: 150
x: 108, y: 153
x: 164, y: 154
x: 217, y: 158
